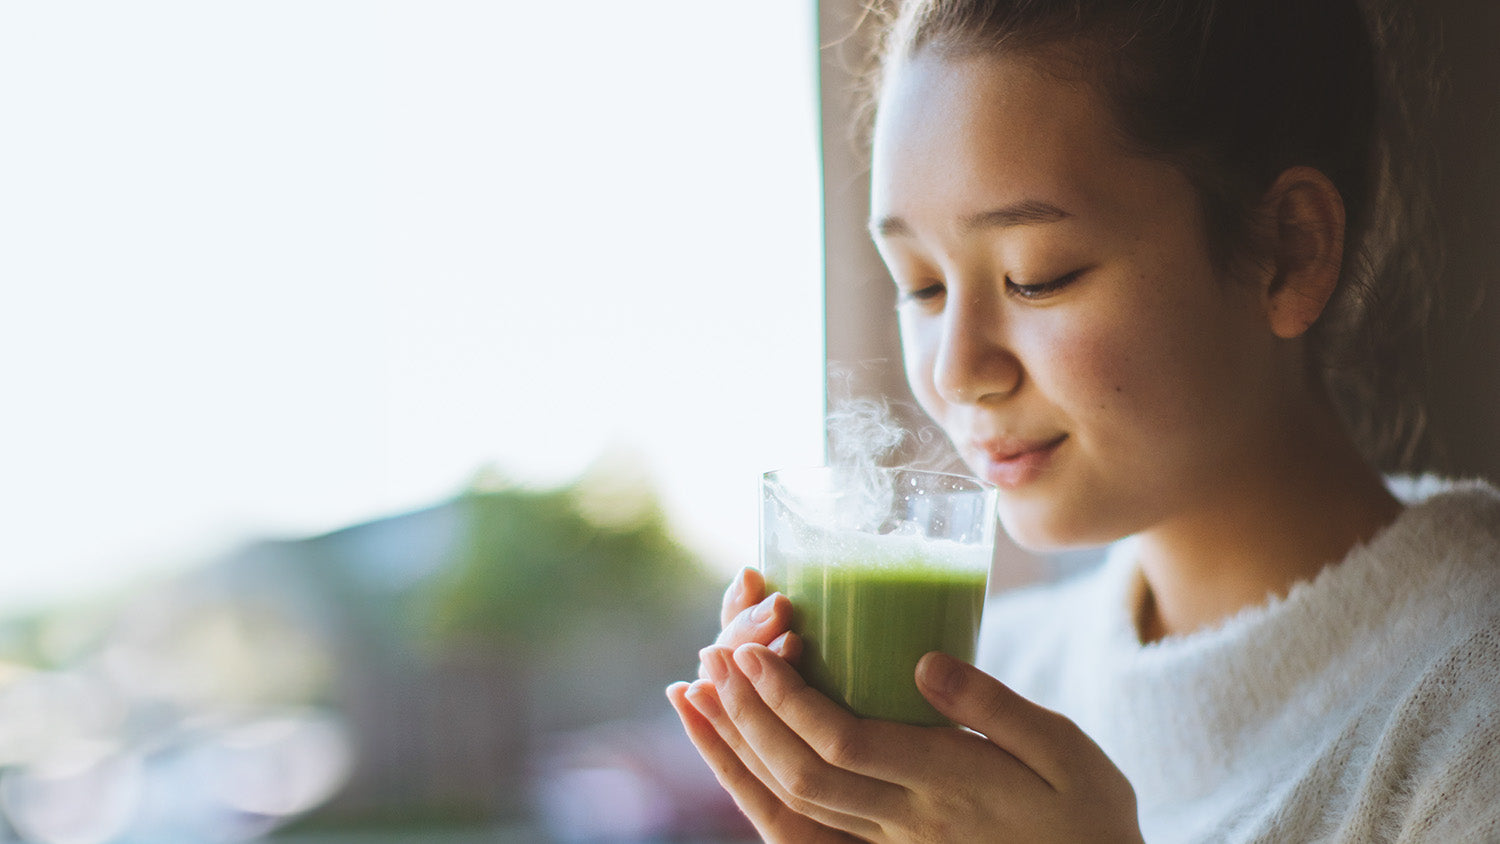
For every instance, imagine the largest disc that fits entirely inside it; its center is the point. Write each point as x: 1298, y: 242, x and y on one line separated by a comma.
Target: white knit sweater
x: 1363, y: 707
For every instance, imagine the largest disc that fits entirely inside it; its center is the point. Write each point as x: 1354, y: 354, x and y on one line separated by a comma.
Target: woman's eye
x: 1043, y: 289
x: 922, y: 294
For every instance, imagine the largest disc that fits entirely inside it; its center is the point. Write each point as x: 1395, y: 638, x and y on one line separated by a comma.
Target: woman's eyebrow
x: 1023, y: 213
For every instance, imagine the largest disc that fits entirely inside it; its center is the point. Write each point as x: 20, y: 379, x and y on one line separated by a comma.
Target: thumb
x: 1036, y: 736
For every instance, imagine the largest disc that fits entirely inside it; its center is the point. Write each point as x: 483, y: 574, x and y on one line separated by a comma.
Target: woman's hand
x: 804, y: 769
x: 750, y: 616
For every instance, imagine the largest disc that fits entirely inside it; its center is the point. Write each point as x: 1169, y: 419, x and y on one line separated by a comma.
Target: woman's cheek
x: 1108, y: 377
x: 918, y: 354
x: 1085, y: 367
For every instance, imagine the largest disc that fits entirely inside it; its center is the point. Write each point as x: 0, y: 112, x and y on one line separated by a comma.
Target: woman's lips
x: 1010, y: 464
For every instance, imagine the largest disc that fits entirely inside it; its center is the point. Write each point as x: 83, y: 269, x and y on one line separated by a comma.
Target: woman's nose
x: 974, y: 360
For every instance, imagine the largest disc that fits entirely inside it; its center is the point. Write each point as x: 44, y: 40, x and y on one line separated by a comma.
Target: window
x: 280, y: 267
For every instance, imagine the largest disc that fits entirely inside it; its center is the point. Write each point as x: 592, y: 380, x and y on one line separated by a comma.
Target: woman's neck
x: 1276, y: 523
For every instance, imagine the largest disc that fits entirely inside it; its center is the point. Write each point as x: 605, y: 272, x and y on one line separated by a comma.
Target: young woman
x: 1130, y: 240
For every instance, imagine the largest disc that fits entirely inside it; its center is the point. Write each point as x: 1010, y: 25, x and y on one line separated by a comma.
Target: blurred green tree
x: 532, y: 561
x: 585, y: 585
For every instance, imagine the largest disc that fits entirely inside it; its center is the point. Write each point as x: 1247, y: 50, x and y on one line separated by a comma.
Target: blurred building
x: 494, y: 659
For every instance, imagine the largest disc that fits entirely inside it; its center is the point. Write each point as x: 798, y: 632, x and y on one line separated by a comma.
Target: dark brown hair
x: 1234, y: 92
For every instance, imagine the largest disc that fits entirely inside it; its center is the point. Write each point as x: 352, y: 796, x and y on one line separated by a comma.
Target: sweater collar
x: 1224, y: 697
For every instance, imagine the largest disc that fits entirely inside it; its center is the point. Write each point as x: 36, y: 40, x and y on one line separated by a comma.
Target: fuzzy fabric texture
x: 1362, y: 707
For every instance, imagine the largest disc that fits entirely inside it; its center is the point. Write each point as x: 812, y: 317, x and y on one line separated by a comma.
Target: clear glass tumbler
x: 881, y: 566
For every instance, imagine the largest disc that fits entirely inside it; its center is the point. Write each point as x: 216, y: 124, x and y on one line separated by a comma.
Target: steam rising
x: 866, y: 432
x: 867, y: 437
x: 863, y: 433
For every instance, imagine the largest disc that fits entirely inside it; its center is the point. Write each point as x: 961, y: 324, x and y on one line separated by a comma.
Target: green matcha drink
x: 872, y: 594
x: 865, y: 627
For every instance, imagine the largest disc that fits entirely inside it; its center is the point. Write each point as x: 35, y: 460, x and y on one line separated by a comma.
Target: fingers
x: 746, y: 590
x: 925, y: 759
x: 758, y: 794
x: 757, y: 801
x: 814, y: 784
x: 788, y: 646
x: 1039, y: 738
x: 760, y: 624
x: 836, y: 736
x: 1086, y: 793
x: 764, y: 623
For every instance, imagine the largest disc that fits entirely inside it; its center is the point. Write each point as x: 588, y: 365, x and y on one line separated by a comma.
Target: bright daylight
x: 277, y: 270
x: 708, y: 422
x: 305, y: 301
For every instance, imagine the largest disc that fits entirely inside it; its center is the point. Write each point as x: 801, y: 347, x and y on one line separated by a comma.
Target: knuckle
x: 805, y: 787
x: 994, y: 707
x: 773, y: 696
x: 842, y: 749
x: 1057, y: 723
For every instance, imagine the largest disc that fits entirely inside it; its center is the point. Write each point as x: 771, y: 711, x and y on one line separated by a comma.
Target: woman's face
x: 1061, y: 317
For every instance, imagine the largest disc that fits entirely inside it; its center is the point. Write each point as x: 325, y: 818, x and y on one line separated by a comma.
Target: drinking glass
x: 881, y: 566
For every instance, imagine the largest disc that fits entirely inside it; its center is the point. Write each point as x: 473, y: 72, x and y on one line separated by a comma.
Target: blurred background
x: 386, y: 384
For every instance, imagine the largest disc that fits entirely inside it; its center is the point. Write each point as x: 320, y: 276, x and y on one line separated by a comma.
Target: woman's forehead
x: 973, y: 128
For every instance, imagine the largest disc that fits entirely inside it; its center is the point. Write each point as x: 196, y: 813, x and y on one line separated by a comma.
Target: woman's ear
x: 1306, y: 213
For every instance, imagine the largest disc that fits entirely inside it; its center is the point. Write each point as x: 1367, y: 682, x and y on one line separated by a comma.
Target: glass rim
x: 962, y: 483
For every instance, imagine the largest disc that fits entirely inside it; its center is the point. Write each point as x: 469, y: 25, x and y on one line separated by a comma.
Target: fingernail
x: 762, y: 610
x: 779, y: 644
x: 749, y: 661
x: 737, y: 588
x: 941, y: 673
x: 713, y: 660
x: 702, y: 699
